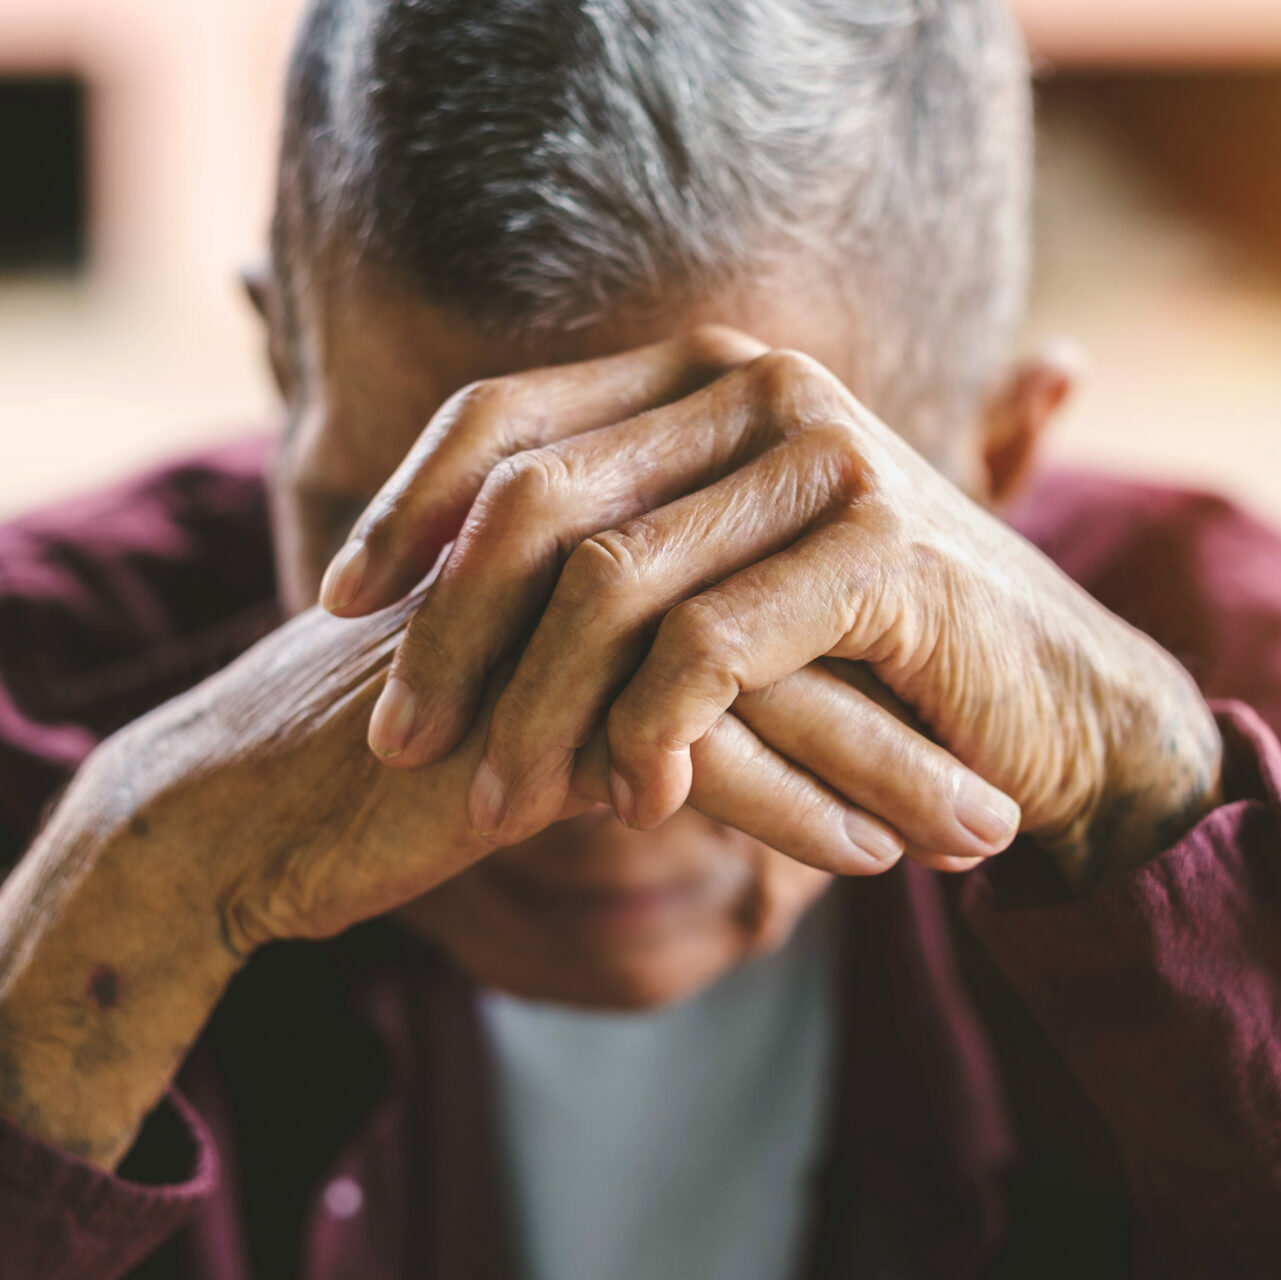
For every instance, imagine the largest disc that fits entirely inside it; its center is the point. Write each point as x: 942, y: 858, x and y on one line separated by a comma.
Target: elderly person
x: 691, y: 659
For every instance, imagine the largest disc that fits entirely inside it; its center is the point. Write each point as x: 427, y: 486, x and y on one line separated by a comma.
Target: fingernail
x: 621, y: 793
x: 986, y: 812
x: 393, y: 719
x: 872, y: 839
x: 487, y: 802
x: 343, y: 578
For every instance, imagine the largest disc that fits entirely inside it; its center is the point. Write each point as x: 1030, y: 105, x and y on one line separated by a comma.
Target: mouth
x: 596, y: 908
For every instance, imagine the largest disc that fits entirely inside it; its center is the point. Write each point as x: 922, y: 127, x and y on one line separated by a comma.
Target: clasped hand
x: 708, y: 558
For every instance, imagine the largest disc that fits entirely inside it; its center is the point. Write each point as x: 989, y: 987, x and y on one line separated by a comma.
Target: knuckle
x: 795, y: 387
x: 526, y: 483
x: 479, y: 403
x: 718, y: 347
x: 780, y: 374
x: 832, y: 450
x: 608, y: 565
x: 703, y: 633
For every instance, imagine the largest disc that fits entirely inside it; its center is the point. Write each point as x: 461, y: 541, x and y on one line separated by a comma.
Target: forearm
x: 111, y: 958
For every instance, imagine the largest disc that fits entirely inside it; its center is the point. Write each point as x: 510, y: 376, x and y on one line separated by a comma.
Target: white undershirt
x: 673, y: 1145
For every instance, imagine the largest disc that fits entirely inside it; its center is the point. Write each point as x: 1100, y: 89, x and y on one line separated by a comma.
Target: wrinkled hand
x: 261, y: 776
x: 665, y: 535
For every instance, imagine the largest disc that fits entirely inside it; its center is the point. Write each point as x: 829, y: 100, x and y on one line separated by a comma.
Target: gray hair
x: 540, y: 164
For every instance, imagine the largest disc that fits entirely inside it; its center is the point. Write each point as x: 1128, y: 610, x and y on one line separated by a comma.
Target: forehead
x: 375, y: 362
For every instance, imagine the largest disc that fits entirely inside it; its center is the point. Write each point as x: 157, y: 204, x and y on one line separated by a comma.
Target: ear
x: 255, y: 279
x: 259, y: 284
x: 1019, y: 413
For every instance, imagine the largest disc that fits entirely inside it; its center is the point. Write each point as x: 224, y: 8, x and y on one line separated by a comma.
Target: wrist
x: 1162, y: 772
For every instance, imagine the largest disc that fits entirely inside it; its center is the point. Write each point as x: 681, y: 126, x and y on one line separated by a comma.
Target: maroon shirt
x: 1026, y: 1084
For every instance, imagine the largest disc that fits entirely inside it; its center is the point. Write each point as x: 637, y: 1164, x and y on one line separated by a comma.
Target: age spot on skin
x: 138, y: 826
x: 103, y: 987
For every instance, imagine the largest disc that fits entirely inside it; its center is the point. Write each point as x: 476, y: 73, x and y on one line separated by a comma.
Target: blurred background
x: 137, y: 142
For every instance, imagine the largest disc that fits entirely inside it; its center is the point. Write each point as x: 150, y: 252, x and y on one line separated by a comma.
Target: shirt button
x: 344, y: 1198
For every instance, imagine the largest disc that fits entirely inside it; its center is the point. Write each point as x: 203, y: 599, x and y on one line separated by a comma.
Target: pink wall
x: 184, y: 107
x: 154, y: 350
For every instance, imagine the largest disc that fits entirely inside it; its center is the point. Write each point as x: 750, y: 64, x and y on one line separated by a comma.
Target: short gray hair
x: 540, y: 164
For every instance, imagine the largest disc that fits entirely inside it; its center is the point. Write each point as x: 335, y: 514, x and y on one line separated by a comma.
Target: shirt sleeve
x: 62, y: 1219
x: 1163, y: 994
x: 115, y: 601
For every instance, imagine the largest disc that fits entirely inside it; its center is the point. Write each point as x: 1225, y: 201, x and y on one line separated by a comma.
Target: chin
x: 629, y: 969
x: 633, y: 986
x: 594, y: 915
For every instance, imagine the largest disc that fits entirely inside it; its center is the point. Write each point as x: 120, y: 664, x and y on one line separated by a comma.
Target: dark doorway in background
x: 43, y: 173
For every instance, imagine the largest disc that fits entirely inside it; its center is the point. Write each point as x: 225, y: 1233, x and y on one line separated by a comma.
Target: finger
x: 405, y: 527
x: 611, y: 594
x: 535, y: 506
x: 739, y: 781
x: 865, y: 753
x: 742, y: 634
x: 742, y: 782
